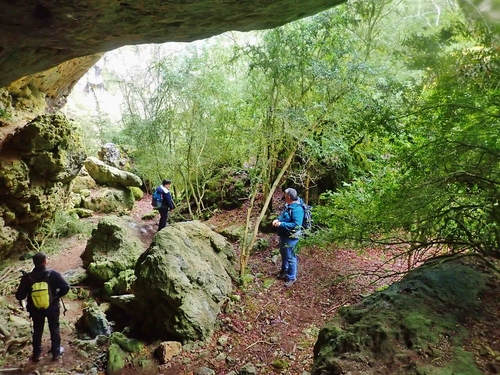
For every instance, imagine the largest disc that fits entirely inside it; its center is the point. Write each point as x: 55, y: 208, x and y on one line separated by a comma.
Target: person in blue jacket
x: 59, y: 287
x: 289, y: 225
x: 166, y: 203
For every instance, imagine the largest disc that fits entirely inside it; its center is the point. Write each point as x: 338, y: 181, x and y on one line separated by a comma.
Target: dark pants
x: 38, y: 318
x: 163, y: 217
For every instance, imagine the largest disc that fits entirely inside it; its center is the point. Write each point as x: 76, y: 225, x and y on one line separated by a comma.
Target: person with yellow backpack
x: 43, y: 289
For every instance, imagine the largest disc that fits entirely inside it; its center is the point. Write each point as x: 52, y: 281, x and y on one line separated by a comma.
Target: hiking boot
x: 289, y: 283
x: 56, y: 357
x: 281, y: 276
x: 35, y: 358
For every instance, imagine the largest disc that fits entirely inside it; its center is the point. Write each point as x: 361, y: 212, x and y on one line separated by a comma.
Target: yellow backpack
x: 41, y: 293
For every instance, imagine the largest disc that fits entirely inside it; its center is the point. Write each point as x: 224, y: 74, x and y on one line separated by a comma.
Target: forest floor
x: 268, y: 327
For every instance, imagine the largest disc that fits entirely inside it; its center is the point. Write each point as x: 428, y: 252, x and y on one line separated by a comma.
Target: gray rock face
x: 182, y: 281
x: 37, y: 36
x: 105, y: 174
x: 111, y: 155
x: 390, y: 329
x: 112, y: 249
x: 109, y: 200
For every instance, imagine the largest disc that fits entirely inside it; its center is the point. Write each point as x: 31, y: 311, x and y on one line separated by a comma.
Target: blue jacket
x: 58, y: 285
x: 291, y: 220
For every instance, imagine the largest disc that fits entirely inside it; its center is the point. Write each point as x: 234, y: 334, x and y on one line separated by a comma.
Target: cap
x: 292, y: 193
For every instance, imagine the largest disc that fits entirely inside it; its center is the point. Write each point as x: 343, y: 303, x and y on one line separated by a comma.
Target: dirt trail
x: 272, y: 327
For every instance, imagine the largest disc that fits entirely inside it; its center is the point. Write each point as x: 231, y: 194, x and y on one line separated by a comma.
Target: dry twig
x: 259, y: 342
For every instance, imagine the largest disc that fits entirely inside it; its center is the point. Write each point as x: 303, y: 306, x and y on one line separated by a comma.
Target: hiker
x: 57, y: 287
x: 166, y: 203
x: 289, y: 225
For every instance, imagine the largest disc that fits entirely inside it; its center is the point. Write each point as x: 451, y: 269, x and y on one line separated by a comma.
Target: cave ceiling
x: 38, y: 36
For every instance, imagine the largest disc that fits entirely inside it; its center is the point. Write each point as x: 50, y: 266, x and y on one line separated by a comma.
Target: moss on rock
x: 410, y: 319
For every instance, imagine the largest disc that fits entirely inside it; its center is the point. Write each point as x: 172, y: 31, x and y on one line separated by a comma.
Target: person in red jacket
x: 58, y: 288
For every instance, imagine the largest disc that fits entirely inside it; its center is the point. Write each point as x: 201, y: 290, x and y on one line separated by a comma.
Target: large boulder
x: 112, y: 155
x: 182, y: 281
x: 227, y: 189
x: 415, y: 326
x: 109, y: 200
x: 112, y: 250
x: 105, y: 174
x: 83, y: 182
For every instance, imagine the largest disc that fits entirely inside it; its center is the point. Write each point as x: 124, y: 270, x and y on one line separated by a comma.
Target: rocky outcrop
x: 416, y: 326
x: 111, y: 155
x: 107, y: 175
x: 112, y: 251
x: 37, y: 165
x: 108, y: 200
x: 182, y: 281
x: 228, y: 189
x: 35, y: 37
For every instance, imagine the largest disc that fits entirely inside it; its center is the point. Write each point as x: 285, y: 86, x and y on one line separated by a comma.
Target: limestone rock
x: 167, y: 350
x: 83, y: 182
x: 406, y: 323
x: 75, y: 276
x: 109, y: 200
x: 94, y: 321
x: 55, y: 33
x: 51, y: 147
x: 182, y: 281
x: 125, y: 343
x: 111, y: 155
x: 121, y: 284
x: 105, y: 174
x: 45, y: 156
x: 113, y: 248
x: 125, y: 302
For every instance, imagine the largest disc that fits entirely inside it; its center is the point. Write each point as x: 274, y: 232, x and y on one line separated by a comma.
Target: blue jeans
x: 289, y: 260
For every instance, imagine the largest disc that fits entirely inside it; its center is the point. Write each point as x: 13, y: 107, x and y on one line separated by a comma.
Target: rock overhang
x: 35, y: 37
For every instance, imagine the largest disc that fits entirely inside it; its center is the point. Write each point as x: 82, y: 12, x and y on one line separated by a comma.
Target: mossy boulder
x: 415, y: 324
x: 127, y: 344
x: 117, y: 358
x: 109, y: 200
x: 107, y: 175
x: 227, y: 189
x: 122, y: 284
x: 137, y: 192
x: 82, y: 182
x: 112, y: 249
x: 14, y: 177
x: 94, y: 321
x: 233, y: 232
x: 182, y: 281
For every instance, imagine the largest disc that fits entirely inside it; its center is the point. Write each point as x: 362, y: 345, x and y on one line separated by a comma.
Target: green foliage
x: 398, y: 124
x: 63, y: 224
x: 439, y: 185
